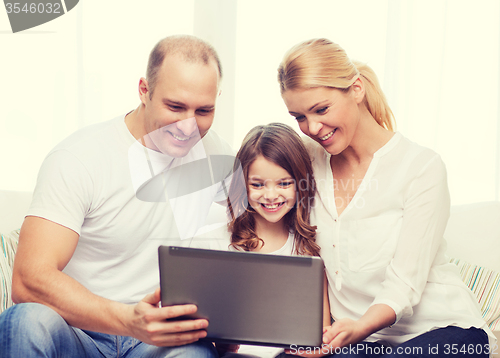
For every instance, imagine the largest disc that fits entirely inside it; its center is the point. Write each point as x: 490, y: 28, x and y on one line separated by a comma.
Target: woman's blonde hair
x: 322, y: 63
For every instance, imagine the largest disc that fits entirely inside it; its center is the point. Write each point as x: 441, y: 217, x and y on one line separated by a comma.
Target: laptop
x: 248, y: 298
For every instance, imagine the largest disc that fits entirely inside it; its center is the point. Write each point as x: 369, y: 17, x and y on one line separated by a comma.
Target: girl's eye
x: 256, y: 185
x: 286, y: 183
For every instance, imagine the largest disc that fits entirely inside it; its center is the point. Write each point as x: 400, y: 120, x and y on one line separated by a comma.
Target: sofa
x: 472, y: 235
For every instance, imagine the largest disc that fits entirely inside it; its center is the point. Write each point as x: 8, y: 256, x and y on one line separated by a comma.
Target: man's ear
x: 143, y: 90
x: 358, y: 89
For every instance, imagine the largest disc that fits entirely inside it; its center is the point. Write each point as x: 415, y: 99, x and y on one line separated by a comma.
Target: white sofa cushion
x: 473, y: 234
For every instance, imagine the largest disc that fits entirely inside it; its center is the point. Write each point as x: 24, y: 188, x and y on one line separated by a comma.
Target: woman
x: 381, y: 211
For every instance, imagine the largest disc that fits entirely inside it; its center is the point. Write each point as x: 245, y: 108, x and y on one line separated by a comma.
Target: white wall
x: 437, y: 60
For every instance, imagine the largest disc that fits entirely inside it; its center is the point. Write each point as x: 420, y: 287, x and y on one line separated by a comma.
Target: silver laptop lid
x: 247, y: 298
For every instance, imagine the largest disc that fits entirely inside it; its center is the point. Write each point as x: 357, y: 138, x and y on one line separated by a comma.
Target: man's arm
x: 44, y: 250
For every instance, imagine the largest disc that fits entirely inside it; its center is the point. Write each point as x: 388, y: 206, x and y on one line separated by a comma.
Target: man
x: 86, y: 265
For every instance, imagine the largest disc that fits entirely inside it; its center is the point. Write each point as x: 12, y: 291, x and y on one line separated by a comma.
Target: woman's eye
x: 300, y: 118
x: 322, y: 110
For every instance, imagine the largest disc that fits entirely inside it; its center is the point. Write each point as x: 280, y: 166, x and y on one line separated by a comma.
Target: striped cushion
x: 8, y: 246
x: 485, y: 284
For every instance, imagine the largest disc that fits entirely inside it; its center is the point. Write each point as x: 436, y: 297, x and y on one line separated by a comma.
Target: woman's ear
x: 358, y: 89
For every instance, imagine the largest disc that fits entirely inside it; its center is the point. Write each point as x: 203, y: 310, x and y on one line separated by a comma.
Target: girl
x: 268, y: 214
x: 270, y: 202
x: 382, y: 210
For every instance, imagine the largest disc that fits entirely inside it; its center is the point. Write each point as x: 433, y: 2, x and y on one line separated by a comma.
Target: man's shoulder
x: 89, y: 135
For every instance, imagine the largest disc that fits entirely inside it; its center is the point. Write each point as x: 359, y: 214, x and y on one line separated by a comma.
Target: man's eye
x: 175, y: 108
x: 203, y: 112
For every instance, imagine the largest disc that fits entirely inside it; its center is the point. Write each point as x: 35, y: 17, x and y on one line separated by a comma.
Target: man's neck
x: 134, y: 123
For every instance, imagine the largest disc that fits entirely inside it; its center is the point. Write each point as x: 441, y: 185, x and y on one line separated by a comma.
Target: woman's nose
x: 314, y: 126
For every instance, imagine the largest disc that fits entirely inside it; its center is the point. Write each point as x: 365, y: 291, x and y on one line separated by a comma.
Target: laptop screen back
x: 247, y: 297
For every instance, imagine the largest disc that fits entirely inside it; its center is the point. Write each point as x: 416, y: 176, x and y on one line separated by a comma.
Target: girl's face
x: 271, y: 190
x: 327, y: 115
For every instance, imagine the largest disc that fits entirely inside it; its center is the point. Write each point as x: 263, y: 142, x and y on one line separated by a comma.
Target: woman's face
x: 327, y: 115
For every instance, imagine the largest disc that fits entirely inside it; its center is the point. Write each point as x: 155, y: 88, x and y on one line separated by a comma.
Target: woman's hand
x: 343, y: 332
x: 322, y: 351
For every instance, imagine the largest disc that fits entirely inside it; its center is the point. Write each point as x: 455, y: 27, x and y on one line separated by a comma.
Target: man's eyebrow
x: 172, y: 102
x: 208, y: 106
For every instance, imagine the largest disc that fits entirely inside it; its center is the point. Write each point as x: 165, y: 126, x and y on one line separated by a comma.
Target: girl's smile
x: 271, y: 190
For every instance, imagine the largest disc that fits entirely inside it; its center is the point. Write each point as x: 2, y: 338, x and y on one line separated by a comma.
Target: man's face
x: 182, y: 107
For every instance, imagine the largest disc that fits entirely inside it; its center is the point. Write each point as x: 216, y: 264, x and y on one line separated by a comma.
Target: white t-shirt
x: 88, y: 184
x: 387, y: 245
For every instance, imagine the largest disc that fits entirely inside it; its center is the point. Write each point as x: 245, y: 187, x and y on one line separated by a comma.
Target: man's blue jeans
x: 33, y: 330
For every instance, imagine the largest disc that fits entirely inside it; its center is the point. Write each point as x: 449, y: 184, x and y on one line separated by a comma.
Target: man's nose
x: 188, y: 126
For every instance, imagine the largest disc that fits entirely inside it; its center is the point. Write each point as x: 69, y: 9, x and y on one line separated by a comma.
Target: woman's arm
x: 425, y: 214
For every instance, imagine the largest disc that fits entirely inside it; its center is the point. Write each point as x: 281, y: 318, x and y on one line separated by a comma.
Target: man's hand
x: 149, y: 323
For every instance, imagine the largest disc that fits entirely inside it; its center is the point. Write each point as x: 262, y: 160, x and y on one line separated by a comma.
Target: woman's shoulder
x: 409, y: 151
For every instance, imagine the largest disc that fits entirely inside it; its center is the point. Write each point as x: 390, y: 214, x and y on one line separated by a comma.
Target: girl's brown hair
x: 322, y: 63
x: 280, y: 144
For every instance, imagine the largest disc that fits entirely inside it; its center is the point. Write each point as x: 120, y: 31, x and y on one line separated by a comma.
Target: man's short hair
x: 190, y: 48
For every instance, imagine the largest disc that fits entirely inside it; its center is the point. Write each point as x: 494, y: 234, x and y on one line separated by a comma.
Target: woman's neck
x: 369, y: 138
x: 274, y: 235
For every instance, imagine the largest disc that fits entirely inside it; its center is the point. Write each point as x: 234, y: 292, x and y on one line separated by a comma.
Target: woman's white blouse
x: 387, y: 245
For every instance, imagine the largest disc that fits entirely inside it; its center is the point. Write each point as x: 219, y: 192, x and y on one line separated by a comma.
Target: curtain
x: 437, y: 60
